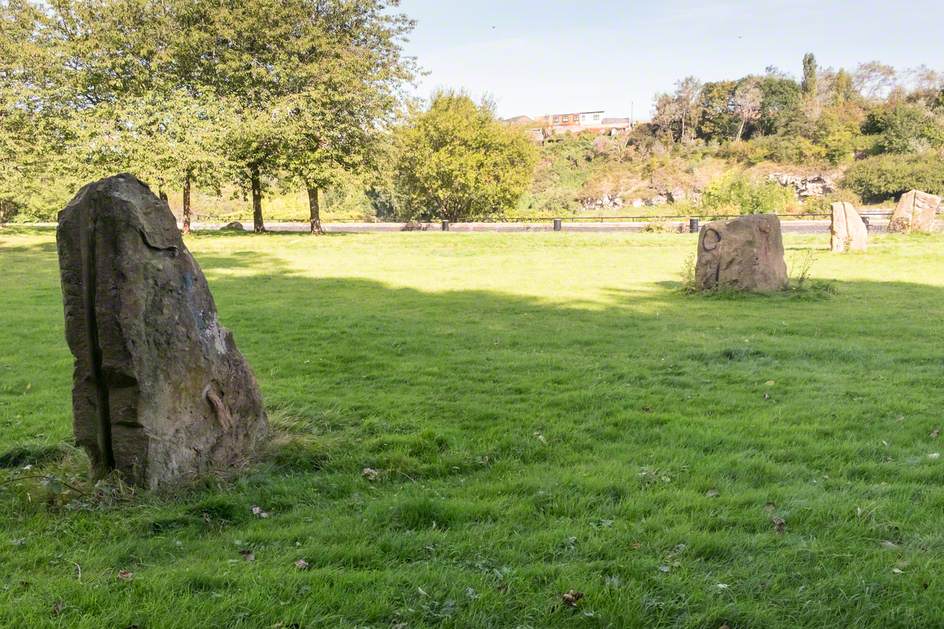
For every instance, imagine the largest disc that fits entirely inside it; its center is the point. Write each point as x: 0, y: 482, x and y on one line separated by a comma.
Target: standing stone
x: 915, y: 212
x: 848, y: 231
x: 745, y: 253
x: 160, y: 391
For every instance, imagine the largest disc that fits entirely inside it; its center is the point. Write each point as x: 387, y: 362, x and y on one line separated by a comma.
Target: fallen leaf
x: 370, y: 473
x: 57, y: 608
x: 934, y: 456
x: 935, y: 433
x: 723, y: 586
x: 572, y: 597
x: 889, y: 544
x: 780, y: 525
x: 664, y: 568
x: 125, y: 575
x: 897, y: 571
x: 770, y: 383
x: 258, y: 512
x: 712, y: 493
x: 301, y: 564
x: 248, y: 555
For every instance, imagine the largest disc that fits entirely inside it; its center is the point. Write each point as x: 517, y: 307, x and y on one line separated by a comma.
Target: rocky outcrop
x: 606, y: 202
x: 847, y: 230
x: 813, y: 186
x: 744, y: 253
x: 915, y: 212
x: 160, y: 392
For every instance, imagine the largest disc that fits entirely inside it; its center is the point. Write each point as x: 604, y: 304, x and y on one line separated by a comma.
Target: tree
x: 457, y: 162
x: 717, y: 118
x: 843, y: 88
x: 809, y: 83
x: 905, y: 128
x: 874, y: 80
x: 746, y: 104
x: 37, y: 123
x: 337, y: 119
x: 110, y: 77
x: 276, y: 62
x: 677, y: 113
x: 780, y: 104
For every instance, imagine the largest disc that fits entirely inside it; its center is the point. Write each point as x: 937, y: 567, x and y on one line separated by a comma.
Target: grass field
x: 543, y: 413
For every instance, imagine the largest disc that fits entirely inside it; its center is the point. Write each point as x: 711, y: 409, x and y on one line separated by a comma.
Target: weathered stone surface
x: 915, y: 212
x: 744, y: 253
x: 847, y: 231
x: 160, y: 391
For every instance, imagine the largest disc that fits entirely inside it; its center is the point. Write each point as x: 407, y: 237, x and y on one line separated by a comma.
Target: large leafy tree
x: 718, y: 120
x: 305, y: 79
x: 780, y: 109
x: 187, y: 92
x: 37, y: 120
x: 457, y: 162
x: 109, y: 77
x: 336, y: 120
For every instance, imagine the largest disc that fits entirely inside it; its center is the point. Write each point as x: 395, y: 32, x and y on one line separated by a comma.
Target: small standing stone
x: 160, y: 391
x: 915, y: 212
x: 848, y: 232
x: 745, y: 253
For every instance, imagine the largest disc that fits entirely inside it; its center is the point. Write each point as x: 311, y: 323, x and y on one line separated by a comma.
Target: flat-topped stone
x: 915, y: 212
x: 745, y: 253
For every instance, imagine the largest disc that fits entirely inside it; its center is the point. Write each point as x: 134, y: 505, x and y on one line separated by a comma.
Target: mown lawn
x: 543, y: 412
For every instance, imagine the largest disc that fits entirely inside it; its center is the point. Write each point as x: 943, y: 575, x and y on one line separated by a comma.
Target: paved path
x: 789, y: 226
x: 820, y: 226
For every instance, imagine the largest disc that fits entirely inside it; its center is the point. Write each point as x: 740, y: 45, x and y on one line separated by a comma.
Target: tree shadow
x: 482, y: 415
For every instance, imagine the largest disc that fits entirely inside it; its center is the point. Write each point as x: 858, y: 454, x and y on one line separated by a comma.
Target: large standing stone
x: 745, y: 253
x: 160, y: 391
x: 848, y: 232
x: 915, y: 212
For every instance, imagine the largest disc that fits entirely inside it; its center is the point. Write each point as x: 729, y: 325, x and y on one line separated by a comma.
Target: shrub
x: 824, y: 204
x: 905, y: 128
x: 775, y: 148
x: 888, y: 176
x: 748, y: 196
x: 457, y: 162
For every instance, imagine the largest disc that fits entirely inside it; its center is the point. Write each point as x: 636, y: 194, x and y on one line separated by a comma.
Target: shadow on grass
x: 508, y: 430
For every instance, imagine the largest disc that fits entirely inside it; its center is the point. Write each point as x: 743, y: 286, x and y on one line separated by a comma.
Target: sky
x: 535, y: 58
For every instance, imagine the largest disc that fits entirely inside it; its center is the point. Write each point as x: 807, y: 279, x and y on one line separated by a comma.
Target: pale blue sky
x: 554, y: 56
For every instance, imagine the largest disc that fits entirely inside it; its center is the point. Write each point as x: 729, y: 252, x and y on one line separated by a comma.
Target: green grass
x: 544, y: 412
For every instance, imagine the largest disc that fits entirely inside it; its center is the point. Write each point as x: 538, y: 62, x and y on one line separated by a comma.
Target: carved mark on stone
x: 713, y: 241
x: 222, y: 413
x: 87, y: 224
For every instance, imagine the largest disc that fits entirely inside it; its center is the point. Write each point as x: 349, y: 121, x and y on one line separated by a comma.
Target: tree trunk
x: 740, y: 131
x: 186, y: 203
x: 314, y: 209
x: 256, y: 184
